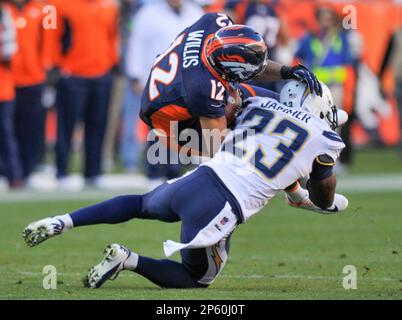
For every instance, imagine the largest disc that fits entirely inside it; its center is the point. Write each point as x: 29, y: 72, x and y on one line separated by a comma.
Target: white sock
x: 68, y: 222
x: 131, y: 262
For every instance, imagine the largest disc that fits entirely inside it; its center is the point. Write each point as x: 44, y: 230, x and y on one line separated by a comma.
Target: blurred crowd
x: 71, y: 79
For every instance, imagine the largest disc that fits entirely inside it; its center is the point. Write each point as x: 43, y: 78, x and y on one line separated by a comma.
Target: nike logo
x: 335, y: 209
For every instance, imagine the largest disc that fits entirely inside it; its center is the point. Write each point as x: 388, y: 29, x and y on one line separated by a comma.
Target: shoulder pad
x: 333, y: 140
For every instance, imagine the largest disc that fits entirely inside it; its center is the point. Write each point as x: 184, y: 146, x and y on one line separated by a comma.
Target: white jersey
x: 271, y: 147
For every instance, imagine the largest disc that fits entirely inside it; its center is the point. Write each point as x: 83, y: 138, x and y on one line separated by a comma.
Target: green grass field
x: 282, y: 253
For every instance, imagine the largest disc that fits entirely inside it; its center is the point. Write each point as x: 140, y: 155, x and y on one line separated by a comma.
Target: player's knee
x: 157, y: 206
x: 130, y: 205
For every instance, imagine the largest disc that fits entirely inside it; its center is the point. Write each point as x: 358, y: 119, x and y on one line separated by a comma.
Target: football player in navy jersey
x: 199, y: 82
x: 287, y: 141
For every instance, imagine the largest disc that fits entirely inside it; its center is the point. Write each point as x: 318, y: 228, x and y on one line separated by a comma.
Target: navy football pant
x: 29, y: 126
x: 195, y: 200
x: 9, y: 154
x: 84, y: 99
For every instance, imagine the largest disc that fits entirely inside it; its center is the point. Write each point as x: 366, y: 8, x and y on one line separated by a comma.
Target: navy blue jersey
x: 182, y: 86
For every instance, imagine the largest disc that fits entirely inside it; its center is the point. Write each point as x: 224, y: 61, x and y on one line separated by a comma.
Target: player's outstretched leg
x: 116, y: 210
x: 153, y: 205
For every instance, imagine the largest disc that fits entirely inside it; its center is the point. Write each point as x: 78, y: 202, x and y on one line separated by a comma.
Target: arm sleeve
x: 249, y: 91
x: 322, y: 167
x: 199, y: 91
x: 204, y: 106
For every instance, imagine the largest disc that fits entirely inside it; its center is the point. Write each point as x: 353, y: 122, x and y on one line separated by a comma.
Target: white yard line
x: 130, y: 184
x: 301, y: 276
x: 370, y: 183
x: 240, y: 276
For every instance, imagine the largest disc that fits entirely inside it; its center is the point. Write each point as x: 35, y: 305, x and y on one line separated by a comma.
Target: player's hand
x: 302, y: 74
x: 340, y: 204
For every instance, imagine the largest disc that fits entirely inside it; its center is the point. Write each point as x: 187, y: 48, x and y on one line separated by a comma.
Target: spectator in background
x: 8, y: 146
x: 87, y: 46
x: 155, y: 27
x: 121, y: 97
x: 394, y: 58
x: 29, y: 74
x: 263, y: 17
x: 130, y: 147
x: 397, y: 64
x: 327, y: 53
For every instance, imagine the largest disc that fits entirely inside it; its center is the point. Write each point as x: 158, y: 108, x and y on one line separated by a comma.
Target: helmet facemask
x: 331, y: 117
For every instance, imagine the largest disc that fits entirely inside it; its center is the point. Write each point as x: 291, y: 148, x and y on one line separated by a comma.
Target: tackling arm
x: 276, y: 72
x: 320, y: 194
x: 272, y: 72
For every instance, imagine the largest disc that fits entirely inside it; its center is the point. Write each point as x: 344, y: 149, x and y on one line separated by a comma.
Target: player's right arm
x: 322, y: 183
x: 320, y: 194
x: 275, y: 71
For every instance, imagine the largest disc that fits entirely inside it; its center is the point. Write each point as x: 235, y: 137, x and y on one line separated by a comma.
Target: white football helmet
x: 297, y: 95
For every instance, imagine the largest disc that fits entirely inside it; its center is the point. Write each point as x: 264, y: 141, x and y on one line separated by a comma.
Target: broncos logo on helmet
x: 237, y: 53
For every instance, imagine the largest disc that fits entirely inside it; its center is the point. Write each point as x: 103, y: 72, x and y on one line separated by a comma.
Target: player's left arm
x: 276, y: 72
x: 213, y: 133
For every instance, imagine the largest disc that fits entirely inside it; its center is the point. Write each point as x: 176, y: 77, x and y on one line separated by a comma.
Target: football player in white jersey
x: 274, y: 145
x: 291, y: 140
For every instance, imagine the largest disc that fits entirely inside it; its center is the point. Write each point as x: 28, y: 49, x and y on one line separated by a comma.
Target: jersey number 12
x: 165, y: 77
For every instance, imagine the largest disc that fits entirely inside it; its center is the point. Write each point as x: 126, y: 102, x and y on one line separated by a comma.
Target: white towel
x: 221, y: 226
x: 8, y: 40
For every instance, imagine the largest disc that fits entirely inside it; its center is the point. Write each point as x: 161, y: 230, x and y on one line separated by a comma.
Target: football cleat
x: 109, y: 268
x: 39, y: 231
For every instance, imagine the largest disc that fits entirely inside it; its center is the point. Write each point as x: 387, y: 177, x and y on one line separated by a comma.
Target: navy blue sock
x: 167, y: 273
x: 116, y: 210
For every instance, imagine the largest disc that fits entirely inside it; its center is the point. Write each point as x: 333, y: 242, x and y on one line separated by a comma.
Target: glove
x: 302, y: 74
x: 299, y: 198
